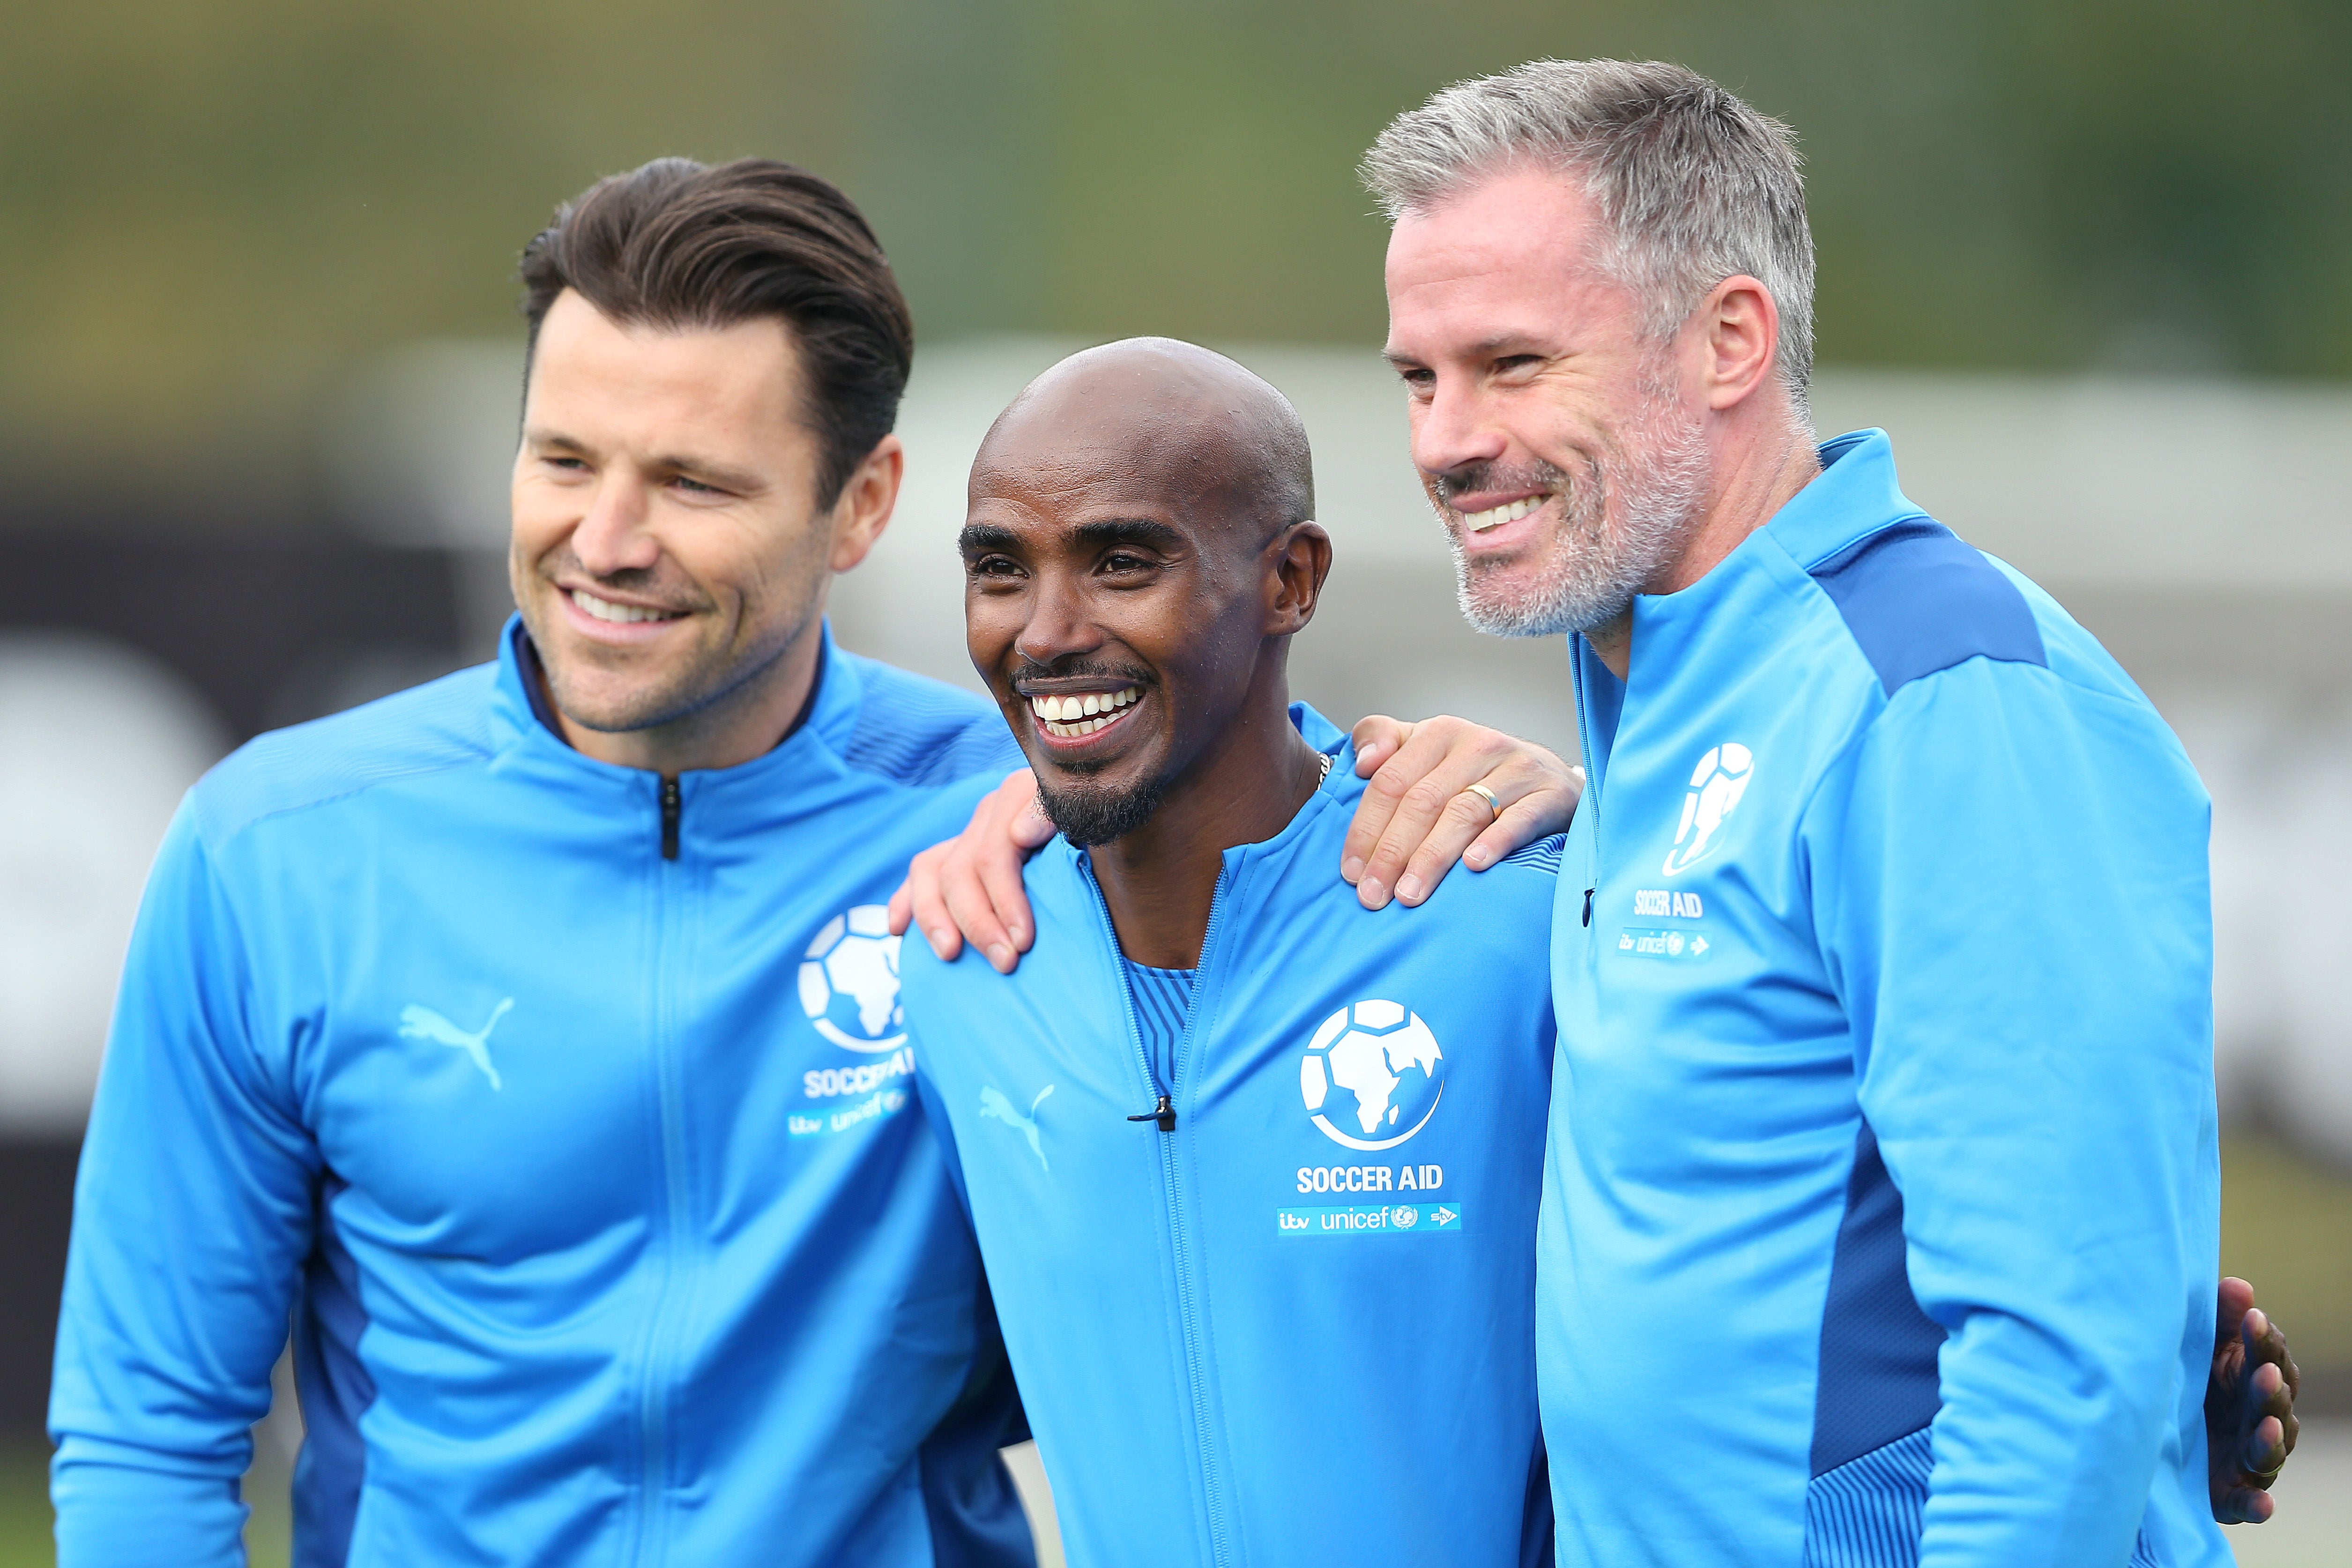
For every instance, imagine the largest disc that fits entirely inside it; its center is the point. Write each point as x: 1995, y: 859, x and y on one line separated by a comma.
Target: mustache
x: 1079, y: 669
x: 1473, y: 478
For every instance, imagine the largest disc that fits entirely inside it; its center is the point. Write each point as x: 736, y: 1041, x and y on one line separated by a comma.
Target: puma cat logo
x: 993, y: 1102
x: 424, y: 1023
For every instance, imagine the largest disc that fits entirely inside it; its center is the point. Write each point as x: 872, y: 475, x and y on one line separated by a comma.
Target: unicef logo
x: 1716, y: 784
x: 1373, y: 1075
x: 849, y: 981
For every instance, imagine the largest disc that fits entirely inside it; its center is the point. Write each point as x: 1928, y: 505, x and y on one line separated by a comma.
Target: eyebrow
x: 1103, y: 535
x: 1141, y: 531
x: 977, y: 537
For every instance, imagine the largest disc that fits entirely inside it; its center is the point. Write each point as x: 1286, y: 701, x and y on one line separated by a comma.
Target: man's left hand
x: 2249, y: 1424
x: 1419, y: 815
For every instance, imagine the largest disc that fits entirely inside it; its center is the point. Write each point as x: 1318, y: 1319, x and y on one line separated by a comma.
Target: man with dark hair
x: 532, y: 1039
x: 1254, y: 1167
x: 459, y: 1027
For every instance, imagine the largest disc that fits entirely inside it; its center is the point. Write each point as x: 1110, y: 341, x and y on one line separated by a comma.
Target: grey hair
x: 1694, y: 185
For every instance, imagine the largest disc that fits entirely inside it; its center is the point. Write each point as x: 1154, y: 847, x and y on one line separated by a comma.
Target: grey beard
x: 1595, y: 571
x: 1095, y: 815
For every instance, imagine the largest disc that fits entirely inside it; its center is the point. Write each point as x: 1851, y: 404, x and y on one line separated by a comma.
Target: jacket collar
x: 523, y: 728
x: 1855, y: 494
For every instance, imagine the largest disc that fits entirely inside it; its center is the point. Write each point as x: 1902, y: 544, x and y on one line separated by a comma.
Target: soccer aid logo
x: 849, y: 981
x: 1716, y: 784
x: 1373, y: 1075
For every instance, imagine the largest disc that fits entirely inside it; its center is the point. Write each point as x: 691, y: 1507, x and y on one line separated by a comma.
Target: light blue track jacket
x: 1885, y: 1120
x: 1295, y: 1330
x: 589, y: 1173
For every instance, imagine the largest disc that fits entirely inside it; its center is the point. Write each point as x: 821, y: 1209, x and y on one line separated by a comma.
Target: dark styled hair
x: 679, y: 244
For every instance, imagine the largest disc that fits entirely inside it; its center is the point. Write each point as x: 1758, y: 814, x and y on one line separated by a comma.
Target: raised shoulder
x: 1917, y: 599
x: 917, y: 731
x: 442, y: 724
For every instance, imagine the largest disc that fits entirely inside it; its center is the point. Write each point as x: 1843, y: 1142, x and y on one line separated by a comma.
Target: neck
x: 750, y: 721
x: 1756, y: 473
x: 1160, y: 880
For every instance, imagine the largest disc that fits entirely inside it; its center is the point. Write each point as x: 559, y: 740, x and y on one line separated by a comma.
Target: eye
x: 1122, y: 562
x: 1514, y: 365
x: 1420, y: 382
x: 1001, y: 568
x: 695, y: 487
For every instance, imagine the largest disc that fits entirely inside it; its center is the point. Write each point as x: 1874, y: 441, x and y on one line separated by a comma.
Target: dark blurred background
x: 2087, y: 258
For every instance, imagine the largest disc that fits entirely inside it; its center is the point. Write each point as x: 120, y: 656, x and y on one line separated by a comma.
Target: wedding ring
x: 1487, y: 795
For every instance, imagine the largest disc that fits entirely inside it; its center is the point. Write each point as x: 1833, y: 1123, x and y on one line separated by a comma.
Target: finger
x: 902, y: 909
x: 2236, y: 1297
x: 927, y: 907
x: 1444, y: 756
x: 1379, y: 802
x: 1537, y: 814
x: 1460, y: 823
x: 2242, y: 1505
x: 2266, y: 1452
x: 999, y: 858
x: 2266, y: 1344
x: 1031, y: 827
x: 973, y: 908
x: 1377, y: 737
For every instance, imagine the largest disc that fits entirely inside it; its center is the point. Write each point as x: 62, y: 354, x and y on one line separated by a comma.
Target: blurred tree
x: 209, y: 207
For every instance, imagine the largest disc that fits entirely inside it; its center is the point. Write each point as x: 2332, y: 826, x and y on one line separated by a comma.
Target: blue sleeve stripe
x: 1869, y: 1510
x: 1917, y: 600
x: 1878, y: 1374
x: 336, y: 1391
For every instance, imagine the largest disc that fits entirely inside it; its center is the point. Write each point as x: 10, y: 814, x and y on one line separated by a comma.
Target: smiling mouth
x: 620, y: 614
x: 1067, y: 718
x: 1496, y: 517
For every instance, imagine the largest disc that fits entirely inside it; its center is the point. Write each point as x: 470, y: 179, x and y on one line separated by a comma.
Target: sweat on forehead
x: 1189, y: 424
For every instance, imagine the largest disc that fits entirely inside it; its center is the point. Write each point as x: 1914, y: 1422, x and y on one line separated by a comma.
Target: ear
x: 1736, y: 338
x: 1301, y: 559
x: 863, y: 509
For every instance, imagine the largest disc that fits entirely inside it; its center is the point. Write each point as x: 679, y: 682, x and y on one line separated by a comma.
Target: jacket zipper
x: 655, y: 1390
x: 1593, y: 770
x: 1171, y: 1188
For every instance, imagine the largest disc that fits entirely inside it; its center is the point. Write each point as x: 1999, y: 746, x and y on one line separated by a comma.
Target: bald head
x: 1186, y: 425
x: 1138, y: 549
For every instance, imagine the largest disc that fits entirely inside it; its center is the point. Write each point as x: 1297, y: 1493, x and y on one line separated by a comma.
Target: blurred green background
x: 211, y: 210
x: 209, y: 207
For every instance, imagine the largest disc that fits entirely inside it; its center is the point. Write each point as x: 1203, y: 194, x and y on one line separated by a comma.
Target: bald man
x: 1254, y: 1167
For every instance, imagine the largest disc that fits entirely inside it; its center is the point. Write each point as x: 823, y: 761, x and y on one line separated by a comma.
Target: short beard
x: 1594, y: 569
x: 1095, y: 814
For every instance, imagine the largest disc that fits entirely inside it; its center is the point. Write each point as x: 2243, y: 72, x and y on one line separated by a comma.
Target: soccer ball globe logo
x: 1373, y: 1075
x: 849, y: 981
x: 1716, y: 784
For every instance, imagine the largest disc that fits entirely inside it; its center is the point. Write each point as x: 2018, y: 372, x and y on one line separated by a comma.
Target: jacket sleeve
x: 2009, y: 871
x: 192, y: 1213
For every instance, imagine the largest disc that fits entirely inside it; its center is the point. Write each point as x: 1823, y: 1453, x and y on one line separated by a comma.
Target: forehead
x: 1512, y: 255
x: 618, y: 380
x: 1069, y: 460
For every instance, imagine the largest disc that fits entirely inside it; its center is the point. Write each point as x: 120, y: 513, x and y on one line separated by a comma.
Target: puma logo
x: 424, y: 1023
x: 993, y: 1102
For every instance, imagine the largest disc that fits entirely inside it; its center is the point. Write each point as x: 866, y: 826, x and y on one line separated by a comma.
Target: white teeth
x: 1496, y: 517
x: 605, y: 610
x: 1068, y: 717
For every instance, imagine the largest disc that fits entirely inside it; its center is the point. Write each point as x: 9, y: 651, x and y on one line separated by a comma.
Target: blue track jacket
x: 1296, y: 1330
x: 571, y: 1120
x: 1885, y: 1097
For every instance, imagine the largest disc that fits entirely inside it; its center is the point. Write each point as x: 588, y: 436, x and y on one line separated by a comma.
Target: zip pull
x: 671, y: 806
x: 1164, y: 1114
x: 1588, y: 906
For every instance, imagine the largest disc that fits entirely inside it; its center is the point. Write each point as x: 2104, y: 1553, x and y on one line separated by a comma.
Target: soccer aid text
x: 1370, y: 1178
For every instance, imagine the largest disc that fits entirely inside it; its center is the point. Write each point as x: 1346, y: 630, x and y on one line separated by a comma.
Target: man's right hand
x: 972, y: 883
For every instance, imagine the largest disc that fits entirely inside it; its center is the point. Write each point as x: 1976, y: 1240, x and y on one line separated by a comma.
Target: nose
x: 1059, y: 624
x: 612, y: 536
x: 1454, y: 426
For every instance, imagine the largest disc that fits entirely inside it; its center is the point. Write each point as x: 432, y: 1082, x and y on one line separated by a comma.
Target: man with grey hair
x: 1885, y: 1098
